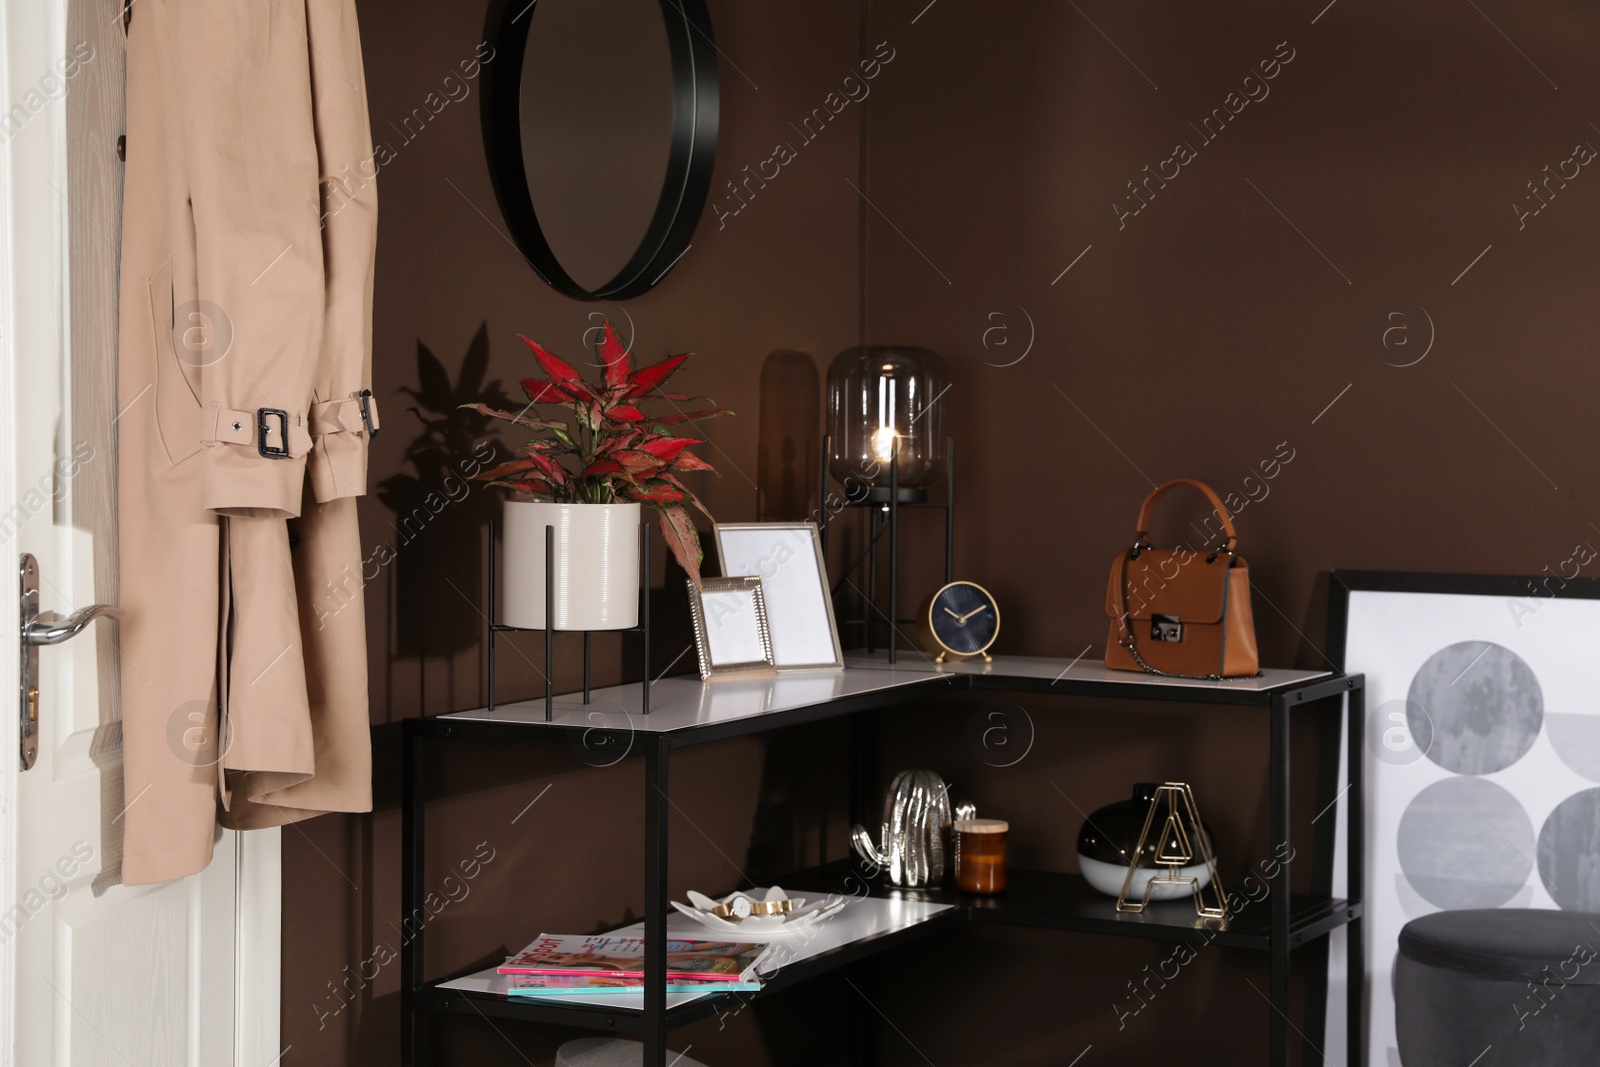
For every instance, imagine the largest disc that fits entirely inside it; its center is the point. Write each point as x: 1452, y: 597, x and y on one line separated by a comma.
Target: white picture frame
x: 787, y: 558
x: 731, y: 634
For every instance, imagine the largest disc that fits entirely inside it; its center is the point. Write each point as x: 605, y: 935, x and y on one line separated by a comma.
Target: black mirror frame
x: 695, y: 107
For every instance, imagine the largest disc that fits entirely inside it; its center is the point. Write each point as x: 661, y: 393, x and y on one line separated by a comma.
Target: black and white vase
x: 1108, y: 838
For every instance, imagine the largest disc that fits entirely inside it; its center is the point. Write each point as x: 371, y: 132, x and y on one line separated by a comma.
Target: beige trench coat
x: 249, y: 224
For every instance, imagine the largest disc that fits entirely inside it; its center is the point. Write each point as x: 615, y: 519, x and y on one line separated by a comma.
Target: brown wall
x: 1201, y: 337
x: 452, y: 294
x: 1196, y: 336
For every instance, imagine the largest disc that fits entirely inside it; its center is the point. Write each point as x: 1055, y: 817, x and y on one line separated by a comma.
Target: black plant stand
x: 549, y: 631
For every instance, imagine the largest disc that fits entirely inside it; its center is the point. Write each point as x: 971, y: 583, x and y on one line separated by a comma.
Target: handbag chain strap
x: 1128, y: 644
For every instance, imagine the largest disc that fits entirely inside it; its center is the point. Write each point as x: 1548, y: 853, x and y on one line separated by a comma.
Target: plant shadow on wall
x: 439, y: 513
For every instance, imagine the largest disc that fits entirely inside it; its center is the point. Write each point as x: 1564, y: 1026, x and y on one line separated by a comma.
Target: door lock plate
x: 28, y: 575
x: 36, y: 630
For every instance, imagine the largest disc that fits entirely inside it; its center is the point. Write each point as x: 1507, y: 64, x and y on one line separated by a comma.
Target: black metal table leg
x: 655, y: 901
x: 1355, y: 888
x: 862, y: 1029
x: 862, y: 773
x: 415, y: 1047
x: 862, y: 1035
x: 1279, y: 992
x: 860, y: 770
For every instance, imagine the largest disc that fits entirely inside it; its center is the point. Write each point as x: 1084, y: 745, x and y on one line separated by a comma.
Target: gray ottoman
x: 611, y: 1052
x: 1503, y: 987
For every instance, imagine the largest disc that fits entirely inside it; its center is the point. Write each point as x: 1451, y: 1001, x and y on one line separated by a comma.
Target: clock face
x: 964, y: 618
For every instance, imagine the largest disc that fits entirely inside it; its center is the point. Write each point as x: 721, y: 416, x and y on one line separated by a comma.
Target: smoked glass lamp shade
x: 886, y: 401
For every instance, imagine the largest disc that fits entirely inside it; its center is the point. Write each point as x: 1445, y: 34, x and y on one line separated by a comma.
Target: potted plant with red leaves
x: 588, y: 475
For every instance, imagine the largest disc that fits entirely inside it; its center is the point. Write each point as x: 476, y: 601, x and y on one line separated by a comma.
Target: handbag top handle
x: 1143, y: 534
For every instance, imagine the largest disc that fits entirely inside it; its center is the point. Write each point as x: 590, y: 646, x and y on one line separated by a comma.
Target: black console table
x: 686, y: 712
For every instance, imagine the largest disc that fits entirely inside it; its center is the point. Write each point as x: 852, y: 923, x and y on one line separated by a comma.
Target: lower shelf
x: 885, y: 918
x: 864, y: 928
x: 1043, y: 900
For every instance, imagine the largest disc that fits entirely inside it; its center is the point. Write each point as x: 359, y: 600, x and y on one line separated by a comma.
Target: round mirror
x: 600, y: 122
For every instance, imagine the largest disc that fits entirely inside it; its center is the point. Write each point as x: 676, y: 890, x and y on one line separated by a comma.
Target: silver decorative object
x: 916, y: 821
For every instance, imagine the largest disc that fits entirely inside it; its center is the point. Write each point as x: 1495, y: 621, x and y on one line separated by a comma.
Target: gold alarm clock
x: 959, y: 621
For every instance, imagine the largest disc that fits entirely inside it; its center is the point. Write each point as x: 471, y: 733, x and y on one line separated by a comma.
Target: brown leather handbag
x: 1180, y: 613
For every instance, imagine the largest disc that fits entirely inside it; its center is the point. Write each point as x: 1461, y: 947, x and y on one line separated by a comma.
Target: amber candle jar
x: 981, y: 855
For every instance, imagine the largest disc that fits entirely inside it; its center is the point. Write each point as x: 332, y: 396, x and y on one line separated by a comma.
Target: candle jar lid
x: 981, y: 826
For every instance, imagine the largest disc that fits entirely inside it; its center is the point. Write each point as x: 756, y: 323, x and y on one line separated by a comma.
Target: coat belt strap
x: 356, y: 412
x: 270, y: 431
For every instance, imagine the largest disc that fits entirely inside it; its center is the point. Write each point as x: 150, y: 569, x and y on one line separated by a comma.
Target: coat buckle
x: 264, y: 443
x: 364, y: 398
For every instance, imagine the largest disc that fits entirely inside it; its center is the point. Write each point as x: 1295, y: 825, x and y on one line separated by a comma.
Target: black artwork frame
x: 695, y: 109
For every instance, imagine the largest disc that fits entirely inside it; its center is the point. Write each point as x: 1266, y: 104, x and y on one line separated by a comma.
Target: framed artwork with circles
x: 1482, y: 757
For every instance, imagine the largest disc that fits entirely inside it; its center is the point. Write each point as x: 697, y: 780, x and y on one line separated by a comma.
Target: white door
x: 94, y: 972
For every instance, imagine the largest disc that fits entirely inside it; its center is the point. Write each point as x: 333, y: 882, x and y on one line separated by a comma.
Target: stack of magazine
x: 559, y: 965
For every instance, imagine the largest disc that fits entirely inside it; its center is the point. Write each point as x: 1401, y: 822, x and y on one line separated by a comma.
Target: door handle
x: 37, y: 630
x: 49, y: 628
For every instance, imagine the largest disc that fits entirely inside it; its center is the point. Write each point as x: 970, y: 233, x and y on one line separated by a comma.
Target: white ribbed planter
x: 596, y: 565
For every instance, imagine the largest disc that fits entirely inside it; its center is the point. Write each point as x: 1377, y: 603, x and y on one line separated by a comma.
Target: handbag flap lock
x: 1173, y: 582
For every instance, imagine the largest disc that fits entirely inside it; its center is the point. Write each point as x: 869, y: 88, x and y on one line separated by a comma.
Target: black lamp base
x: 882, y: 505
x: 875, y: 494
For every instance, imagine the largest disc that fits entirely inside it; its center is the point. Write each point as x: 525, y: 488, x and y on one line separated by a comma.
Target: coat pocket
x: 177, y: 384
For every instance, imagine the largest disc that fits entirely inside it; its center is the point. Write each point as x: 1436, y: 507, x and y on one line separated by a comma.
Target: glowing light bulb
x: 883, y: 443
